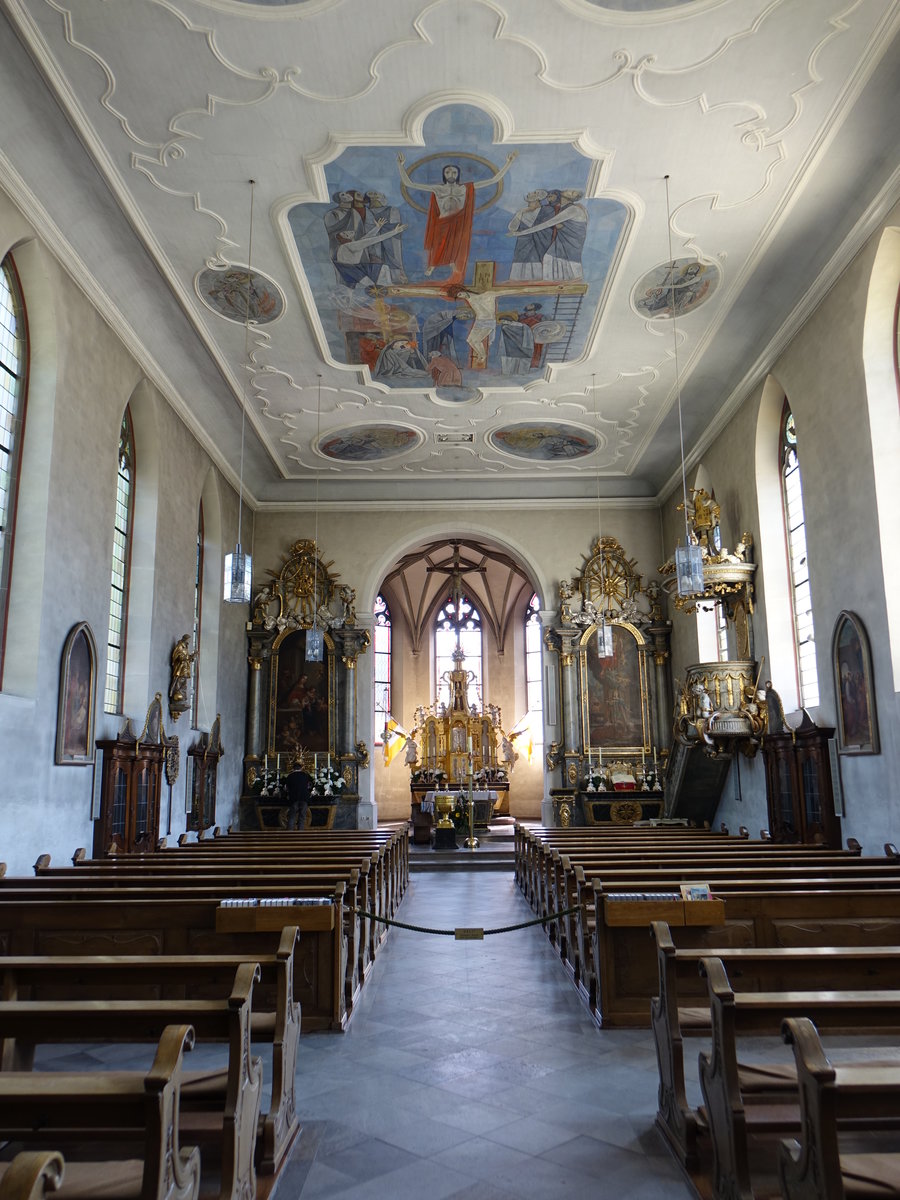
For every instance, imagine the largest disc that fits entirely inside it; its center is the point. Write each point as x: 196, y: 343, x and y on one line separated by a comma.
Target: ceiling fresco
x: 460, y: 264
x: 493, y: 249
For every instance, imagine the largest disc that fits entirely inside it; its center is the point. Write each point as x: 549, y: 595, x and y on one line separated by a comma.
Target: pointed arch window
x: 382, y: 648
x: 798, y: 564
x: 534, y: 667
x: 198, y: 609
x: 458, y: 622
x: 121, y: 565
x: 13, y: 358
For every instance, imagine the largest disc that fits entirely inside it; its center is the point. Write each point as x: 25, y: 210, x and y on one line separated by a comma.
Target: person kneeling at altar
x: 299, y: 789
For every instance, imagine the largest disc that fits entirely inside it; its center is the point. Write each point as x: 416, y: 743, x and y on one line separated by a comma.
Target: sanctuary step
x: 495, y: 852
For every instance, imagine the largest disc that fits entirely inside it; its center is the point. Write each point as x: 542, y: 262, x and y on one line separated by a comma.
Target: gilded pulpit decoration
x: 720, y: 707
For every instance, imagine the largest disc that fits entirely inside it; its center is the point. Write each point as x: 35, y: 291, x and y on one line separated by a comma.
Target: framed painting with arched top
x: 854, y: 690
x: 615, y: 702
x: 75, y: 707
x: 301, y: 705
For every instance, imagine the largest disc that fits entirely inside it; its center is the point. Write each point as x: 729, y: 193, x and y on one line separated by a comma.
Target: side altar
x: 302, y: 707
x: 612, y: 645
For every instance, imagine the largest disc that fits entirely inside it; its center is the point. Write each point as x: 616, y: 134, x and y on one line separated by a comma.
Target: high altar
x: 299, y: 709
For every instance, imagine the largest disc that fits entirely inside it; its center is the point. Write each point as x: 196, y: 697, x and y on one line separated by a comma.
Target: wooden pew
x: 771, y: 1111
x: 35, y: 923
x: 275, y: 1015
x: 228, y: 1116
x: 681, y: 1008
x: 93, y: 1106
x: 32, y: 1175
x: 816, y: 1168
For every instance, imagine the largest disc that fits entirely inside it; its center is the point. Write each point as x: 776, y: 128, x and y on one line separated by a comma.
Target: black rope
x: 453, y: 932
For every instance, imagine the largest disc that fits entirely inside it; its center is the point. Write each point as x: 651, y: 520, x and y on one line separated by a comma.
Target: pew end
x: 32, y: 1175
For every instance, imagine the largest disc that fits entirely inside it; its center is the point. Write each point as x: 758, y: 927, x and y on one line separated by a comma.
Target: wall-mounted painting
x: 460, y: 263
x: 614, y: 695
x: 75, y: 706
x: 301, y: 699
x: 857, y: 724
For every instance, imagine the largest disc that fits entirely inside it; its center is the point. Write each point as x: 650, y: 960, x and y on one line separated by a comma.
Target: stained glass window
x: 121, y: 562
x: 382, y: 647
x: 462, y: 623
x: 795, y: 530
x: 12, y: 414
x: 534, y: 667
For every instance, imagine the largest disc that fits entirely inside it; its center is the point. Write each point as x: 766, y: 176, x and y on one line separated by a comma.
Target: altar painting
x: 460, y: 263
x: 301, y: 698
x: 614, y: 693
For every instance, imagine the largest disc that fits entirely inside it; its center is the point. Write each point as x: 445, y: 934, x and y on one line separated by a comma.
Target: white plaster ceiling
x: 775, y: 120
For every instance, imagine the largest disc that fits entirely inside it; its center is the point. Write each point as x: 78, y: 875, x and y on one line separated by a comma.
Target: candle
x: 599, y: 756
x: 315, y: 763
x: 470, y: 744
x: 266, y: 764
x: 654, y: 758
x: 277, y: 764
x: 328, y: 764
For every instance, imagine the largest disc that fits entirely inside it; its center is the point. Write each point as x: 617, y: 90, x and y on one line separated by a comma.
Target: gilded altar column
x: 662, y: 691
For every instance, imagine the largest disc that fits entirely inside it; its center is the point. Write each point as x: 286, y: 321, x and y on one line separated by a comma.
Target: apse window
x: 458, y: 624
x: 798, y: 563
x: 382, y: 646
x: 12, y: 416
x: 533, y: 668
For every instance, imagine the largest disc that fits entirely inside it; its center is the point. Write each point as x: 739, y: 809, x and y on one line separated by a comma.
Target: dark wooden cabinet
x: 799, y: 788
x: 130, y: 787
x: 203, y: 763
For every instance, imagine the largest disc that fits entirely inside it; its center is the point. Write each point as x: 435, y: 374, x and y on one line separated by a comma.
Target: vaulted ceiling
x: 516, y: 327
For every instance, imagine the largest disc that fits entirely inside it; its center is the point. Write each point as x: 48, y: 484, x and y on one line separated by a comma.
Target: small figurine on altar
x: 412, y: 751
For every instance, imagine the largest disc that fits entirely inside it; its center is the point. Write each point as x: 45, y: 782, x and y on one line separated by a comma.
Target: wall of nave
x: 839, y: 374
x: 80, y: 380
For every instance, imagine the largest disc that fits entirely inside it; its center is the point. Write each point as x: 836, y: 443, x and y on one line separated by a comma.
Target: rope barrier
x: 462, y: 934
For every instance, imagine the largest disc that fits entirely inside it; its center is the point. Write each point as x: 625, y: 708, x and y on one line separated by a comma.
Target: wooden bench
x: 681, y: 1007
x: 816, y: 1167
x: 768, y: 1102
x: 274, y: 1019
x: 98, y: 1106
x: 40, y: 924
x: 221, y: 1108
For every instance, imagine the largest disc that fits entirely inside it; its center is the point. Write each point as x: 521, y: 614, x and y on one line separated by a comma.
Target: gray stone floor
x: 471, y: 1070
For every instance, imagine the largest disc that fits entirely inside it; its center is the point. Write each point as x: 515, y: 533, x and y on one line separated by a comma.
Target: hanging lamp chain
x: 675, y: 353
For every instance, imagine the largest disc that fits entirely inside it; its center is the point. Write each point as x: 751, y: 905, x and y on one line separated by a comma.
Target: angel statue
x: 181, y: 662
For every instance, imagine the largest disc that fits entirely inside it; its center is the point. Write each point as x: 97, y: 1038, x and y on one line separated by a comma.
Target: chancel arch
x: 881, y: 349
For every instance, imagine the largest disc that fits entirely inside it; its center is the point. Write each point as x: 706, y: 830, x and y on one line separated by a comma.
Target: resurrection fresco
x: 460, y: 263
x: 675, y: 288
x: 543, y: 442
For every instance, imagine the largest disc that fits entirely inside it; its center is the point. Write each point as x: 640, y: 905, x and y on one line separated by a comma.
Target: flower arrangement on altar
x: 489, y: 775
x: 328, y: 782
x: 432, y: 776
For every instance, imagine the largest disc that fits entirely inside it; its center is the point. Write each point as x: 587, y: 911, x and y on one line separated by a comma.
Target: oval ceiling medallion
x: 639, y: 6
x: 674, y: 288
x: 368, y: 443
x: 226, y: 293
x: 544, y: 442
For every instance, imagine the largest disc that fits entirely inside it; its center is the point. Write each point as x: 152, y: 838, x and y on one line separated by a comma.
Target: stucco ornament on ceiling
x: 459, y: 264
